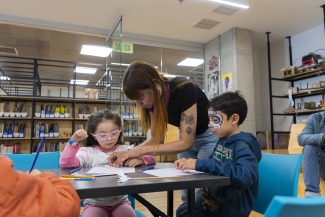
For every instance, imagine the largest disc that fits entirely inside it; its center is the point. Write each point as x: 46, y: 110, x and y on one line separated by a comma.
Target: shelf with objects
x: 312, y: 67
x: 28, y: 114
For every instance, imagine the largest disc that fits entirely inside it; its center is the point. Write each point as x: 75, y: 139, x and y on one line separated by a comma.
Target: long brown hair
x: 99, y: 117
x: 141, y: 76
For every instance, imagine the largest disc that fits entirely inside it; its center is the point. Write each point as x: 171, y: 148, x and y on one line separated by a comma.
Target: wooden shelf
x: 14, y: 138
x: 304, y: 112
x: 311, y: 73
x: 60, y: 119
x: 81, y: 119
x: 316, y: 91
x: 52, y: 138
x: 9, y: 118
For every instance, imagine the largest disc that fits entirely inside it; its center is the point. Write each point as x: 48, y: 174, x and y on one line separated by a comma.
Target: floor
x: 159, y: 199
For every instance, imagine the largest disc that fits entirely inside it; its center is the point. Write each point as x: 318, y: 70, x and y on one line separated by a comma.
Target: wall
x: 302, y: 44
x: 236, y: 57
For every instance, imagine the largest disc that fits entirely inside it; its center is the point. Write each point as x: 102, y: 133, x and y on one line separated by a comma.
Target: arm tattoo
x: 188, y: 130
x: 187, y: 119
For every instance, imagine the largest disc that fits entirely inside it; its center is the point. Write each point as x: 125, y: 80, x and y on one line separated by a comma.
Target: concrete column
x: 236, y: 57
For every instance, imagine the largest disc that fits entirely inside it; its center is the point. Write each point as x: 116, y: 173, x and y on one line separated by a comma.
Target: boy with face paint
x: 236, y: 155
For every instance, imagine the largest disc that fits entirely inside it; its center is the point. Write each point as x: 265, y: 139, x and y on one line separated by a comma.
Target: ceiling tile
x: 93, y: 40
x: 8, y: 41
x: 91, y: 59
x: 34, y: 53
x: 69, y: 47
x: 31, y: 33
x: 66, y: 37
x: 64, y: 56
x: 31, y: 43
x: 5, y: 30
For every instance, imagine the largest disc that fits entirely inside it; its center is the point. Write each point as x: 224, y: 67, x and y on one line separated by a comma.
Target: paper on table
x: 110, y: 170
x: 170, y: 172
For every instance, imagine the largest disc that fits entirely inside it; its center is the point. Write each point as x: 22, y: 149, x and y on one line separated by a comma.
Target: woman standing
x: 178, y: 102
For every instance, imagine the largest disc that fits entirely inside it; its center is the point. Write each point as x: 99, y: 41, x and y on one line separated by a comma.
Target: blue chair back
x: 47, y: 160
x: 282, y: 206
x: 278, y: 175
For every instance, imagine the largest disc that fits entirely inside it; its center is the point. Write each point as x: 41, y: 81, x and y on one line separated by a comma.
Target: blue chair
x: 132, y: 201
x: 278, y: 175
x: 46, y: 160
x: 282, y: 206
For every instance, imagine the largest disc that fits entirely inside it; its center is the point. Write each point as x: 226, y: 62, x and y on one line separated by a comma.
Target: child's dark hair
x: 230, y: 103
x: 323, y: 94
x: 98, y: 117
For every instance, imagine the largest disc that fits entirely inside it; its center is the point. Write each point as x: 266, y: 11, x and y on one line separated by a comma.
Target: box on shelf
x: 91, y: 93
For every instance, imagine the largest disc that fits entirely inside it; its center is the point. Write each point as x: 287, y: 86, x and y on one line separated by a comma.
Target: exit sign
x: 122, y: 47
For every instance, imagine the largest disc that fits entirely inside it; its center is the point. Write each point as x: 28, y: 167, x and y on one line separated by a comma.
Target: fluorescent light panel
x: 86, y: 70
x: 125, y: 64
x: 4, y: 78
x: 98, y: 51
x: 81, y: 82
x: 191, y: 62
x: 231, y: 3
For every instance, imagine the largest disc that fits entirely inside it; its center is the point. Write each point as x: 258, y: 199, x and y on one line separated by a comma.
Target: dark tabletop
x: 108, y: 185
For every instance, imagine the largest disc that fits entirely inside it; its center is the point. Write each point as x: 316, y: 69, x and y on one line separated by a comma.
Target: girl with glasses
x: 102, y: 138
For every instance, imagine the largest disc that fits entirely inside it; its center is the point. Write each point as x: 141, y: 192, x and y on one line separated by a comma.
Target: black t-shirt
x: 182, y: 99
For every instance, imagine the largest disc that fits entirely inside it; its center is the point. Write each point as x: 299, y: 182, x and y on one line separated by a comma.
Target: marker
x: 36, y: 155
x: 78, y: 179
x: 148, y: 168
x: 75, y: 170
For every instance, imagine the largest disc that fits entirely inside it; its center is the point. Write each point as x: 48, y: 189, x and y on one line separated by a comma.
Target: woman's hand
x: 133, y: 162
x: 185, y: 164
x: 79, y: 135
x: 117, y: 158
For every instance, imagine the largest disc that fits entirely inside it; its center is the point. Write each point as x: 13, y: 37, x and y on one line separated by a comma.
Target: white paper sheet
x: 110, y: 170
x: 170, y: 172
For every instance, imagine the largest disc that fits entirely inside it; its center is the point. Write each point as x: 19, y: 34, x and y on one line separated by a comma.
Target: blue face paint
x: 217, y: 122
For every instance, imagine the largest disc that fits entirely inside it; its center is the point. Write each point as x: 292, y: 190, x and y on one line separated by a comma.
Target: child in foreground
x: 103, y: 137
x: 236, y: 155
x: 35, y: 194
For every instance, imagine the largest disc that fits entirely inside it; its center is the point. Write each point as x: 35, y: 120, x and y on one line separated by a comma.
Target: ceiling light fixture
x: 85, y: 70
x: 81, y: 82
x: 4, y: 78
x: 125, y: 64
x: 93, y: 50
x: 191, y: 62
x: 231, y: 3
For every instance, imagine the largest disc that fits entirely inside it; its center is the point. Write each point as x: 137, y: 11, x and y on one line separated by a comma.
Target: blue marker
x: 37, y: 153
x: 75, y: 170
x: 148, y: 168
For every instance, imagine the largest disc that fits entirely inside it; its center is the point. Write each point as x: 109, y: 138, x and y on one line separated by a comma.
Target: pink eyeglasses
x: 103, y: 136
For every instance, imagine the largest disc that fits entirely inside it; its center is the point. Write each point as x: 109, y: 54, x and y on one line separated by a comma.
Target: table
x: 108, y: 186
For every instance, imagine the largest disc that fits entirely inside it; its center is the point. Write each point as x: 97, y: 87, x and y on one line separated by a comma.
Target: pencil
x: 72, y: 176
x: 36, y: 156
x: 76, y: 179
x: 155, y: 177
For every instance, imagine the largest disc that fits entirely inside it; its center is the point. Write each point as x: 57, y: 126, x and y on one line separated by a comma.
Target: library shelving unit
x: 301, y: 94
x: 21, y: 83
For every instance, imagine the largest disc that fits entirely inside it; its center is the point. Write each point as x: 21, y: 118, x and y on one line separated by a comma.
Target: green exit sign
x: 122, y: 47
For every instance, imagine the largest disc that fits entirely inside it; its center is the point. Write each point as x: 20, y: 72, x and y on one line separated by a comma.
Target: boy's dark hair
x: 230, y: 103
x: 323, y: 94
x: 98, y: 117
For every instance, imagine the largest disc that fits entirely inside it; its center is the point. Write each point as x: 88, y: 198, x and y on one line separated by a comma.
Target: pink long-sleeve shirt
x: 93, y: 156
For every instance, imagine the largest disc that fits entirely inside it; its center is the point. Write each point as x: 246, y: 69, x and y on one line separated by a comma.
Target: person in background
x: 103, y: 137
x: 312, y: 138
x: 35, y: 194
x: 236, y: 155
x: 163, y: 101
